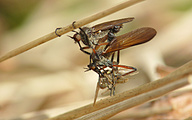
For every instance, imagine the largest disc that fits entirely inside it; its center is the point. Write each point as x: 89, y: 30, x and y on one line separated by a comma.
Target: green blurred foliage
x: 182, y: 6
x: 14, y: 12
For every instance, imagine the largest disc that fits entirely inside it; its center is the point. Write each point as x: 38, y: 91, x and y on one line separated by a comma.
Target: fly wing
x: 132, y: 38
x: 110, y: 24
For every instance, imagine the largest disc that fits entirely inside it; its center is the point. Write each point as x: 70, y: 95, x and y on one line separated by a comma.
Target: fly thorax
x: 104, y: 61
x: 100, y: 34
x: 93, y: 40
x: 107, y: 62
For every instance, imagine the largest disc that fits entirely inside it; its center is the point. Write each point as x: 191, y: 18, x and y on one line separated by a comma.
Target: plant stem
x: 110, y: 106
x: 67, y: 28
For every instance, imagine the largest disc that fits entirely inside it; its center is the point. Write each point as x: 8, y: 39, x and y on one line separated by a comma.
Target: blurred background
x: 52, y: 75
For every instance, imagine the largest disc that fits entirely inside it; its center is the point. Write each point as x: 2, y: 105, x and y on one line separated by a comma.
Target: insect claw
x: 73, y: 24
x: 87, y: 69
x: 56, y: 31
x: 72, y: 38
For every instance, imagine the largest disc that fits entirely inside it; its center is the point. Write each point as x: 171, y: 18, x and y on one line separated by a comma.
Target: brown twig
x: 68, y: 28
x: 108, y: 107
x: 144, y: 112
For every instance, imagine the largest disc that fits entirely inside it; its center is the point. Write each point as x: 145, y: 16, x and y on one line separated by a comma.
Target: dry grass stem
x: 134, y: 101
x: 145, y: 112
x: 110, y: 106
x: 68, y: 28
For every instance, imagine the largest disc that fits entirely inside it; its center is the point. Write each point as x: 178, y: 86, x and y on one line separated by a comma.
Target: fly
x: 90, y: 35
x: 110, y: 79
x: 113, y: 76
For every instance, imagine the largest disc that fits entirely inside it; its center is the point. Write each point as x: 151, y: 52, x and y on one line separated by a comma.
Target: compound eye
x: 103, y: 83
x: 77, y: 37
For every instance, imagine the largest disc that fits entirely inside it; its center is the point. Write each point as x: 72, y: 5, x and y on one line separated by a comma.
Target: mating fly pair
x: 103, y: 43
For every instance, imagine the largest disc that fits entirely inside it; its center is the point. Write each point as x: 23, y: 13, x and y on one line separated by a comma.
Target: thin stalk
x: 67, y: 28
x: 112, y: 105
